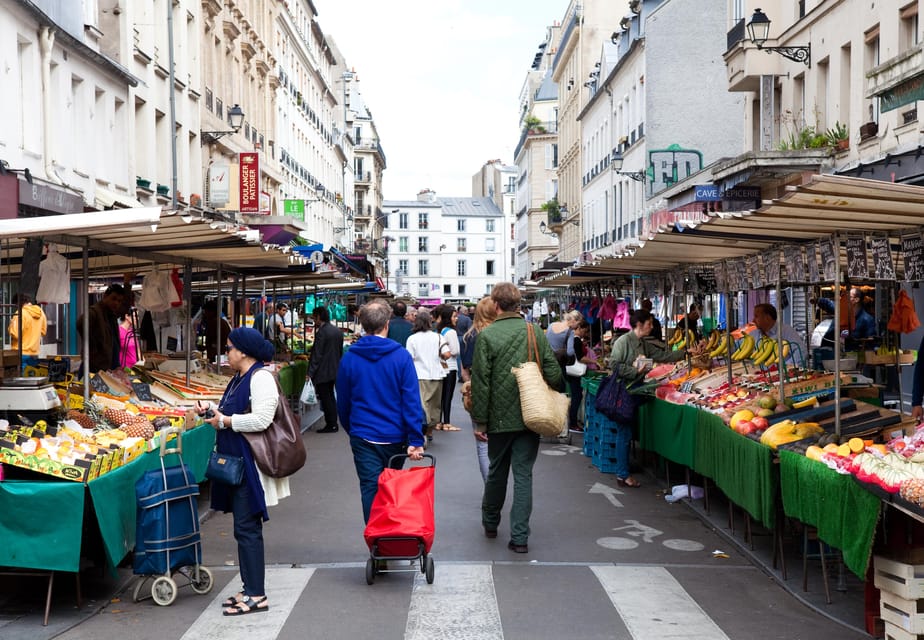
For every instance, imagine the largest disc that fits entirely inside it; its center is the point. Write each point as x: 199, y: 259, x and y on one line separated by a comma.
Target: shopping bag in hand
x: 309, y: 396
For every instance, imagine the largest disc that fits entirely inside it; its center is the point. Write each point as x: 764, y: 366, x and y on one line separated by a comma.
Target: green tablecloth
x: 41, y: 522
x: 844, y: 513
x: 669, y: 430
x: 742, y: 468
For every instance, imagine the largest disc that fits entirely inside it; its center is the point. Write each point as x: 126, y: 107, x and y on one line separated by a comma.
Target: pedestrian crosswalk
x: 462, y: 603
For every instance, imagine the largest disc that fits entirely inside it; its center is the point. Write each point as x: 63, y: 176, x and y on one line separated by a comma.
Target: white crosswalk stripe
x: 284, y: 587
x: 654, y: 606
x: 461, y: 603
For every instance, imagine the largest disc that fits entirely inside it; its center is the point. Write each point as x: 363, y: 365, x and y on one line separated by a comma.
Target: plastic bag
x: 308, y: 396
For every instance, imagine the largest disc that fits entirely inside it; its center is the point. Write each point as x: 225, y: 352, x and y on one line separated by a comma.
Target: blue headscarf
x: 252, y: 343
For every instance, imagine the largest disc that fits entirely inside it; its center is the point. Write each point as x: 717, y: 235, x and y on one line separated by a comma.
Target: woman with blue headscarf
x: 248, y: 404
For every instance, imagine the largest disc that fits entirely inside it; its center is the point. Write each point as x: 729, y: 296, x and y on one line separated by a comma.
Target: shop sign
x: 219, y: 185
x: 294, y: 209
x: 249, y: 182
x: 49, y: 198
x: 907, y: 92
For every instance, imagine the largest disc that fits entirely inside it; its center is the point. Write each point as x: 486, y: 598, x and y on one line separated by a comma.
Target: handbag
x: 544, y: 409
x: 225, y: 469
x: 576, y: 369
x: 278, y: 450
x: 467, y: 395
x: 614, y: 400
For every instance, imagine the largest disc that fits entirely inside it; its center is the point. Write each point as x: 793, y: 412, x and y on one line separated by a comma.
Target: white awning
x: 104, y: 199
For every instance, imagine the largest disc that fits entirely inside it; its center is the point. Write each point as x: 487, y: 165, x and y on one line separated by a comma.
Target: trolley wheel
x: 370, y: 571
x: 430, y: 569
x: 204, y: 584
x: 139, y: 584
x: 163, y: 590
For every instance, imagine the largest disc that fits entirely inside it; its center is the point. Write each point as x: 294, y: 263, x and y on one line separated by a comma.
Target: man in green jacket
x: 497, y: 416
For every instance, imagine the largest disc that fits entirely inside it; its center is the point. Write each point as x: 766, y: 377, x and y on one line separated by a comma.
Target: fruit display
x: 787, y: 431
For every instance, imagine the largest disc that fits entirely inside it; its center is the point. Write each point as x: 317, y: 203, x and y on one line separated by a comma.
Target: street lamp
x: 616, y: 161
x: 235, y: 118
x: 758, y: 32
x: 385, y: 241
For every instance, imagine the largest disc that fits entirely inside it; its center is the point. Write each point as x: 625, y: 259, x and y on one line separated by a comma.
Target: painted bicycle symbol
x: 638, y: 531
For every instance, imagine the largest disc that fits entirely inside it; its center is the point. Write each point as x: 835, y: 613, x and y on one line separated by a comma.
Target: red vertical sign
x: 249, y: 182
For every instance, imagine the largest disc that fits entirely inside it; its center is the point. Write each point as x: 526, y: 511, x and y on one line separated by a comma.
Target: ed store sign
x: 249, y: 188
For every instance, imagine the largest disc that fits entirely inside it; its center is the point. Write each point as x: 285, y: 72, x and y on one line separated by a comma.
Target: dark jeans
x: 449, y: 387
x: 517, y: 449
x: 248, y: 531
x: 370, y: 460
x: 577, y: 393
x: 325, y: 393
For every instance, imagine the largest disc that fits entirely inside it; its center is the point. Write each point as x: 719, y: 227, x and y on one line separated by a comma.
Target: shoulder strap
x: 532, y: 349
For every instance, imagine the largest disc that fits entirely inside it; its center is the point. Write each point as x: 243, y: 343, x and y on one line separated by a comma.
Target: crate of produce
x: 891, y: 632
x: 904, y: 579
x: 907, y: 356
x: 905, y: 614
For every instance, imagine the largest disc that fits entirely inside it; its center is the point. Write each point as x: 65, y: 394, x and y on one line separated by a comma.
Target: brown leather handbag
x: 279, y: 450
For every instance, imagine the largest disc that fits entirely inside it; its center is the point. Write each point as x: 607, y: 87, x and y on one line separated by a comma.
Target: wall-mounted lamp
x: 236, y: 118
x: 6, y: 170
x: 616, y: 161
x: 758, y: 31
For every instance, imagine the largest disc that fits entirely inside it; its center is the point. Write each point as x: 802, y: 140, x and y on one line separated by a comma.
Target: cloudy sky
x: 440, y: 76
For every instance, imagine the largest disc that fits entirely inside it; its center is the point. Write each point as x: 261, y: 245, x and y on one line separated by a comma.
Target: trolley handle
x: 405, y: 456
x: 165, y: 435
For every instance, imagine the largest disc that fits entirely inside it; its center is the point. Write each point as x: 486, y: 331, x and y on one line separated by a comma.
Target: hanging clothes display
x: 157, y: 291
x: 54, y: 278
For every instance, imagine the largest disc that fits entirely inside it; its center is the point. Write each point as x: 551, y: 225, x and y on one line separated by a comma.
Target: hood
x: 374, y: 348
x: 32, y: 310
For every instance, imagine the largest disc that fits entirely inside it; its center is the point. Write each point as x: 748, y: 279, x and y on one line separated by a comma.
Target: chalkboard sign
x: 828, y: 254
x: 98, y: 384
x: 705, y: 277
x: 721, y: 277
x: 770, y: 263
x: 754, y: 274
x: 142, y: 390
x: 741, y: 273
x: 882, y: 257
x: 857, y: 267
x: 811, y: 261
x: 58, y: 368
x: 795, y: 263
x: 913, y: 257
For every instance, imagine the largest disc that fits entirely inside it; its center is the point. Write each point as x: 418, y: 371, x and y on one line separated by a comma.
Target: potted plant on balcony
x: 141, y: 183
x: 868, y: 130
x: 838, y: 137
x: 553, y: 209
x: 163, y: 190
x: 533, y: 124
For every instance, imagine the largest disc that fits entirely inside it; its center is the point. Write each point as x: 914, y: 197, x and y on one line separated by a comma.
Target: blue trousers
x: 623, y: 445
x: 248, y: 531
x: 370, y: 460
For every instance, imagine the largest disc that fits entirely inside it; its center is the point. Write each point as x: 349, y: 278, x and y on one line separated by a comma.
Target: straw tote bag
x: 544, y: 410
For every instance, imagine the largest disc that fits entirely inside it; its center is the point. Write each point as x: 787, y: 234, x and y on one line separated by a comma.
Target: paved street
x: 603, y: 563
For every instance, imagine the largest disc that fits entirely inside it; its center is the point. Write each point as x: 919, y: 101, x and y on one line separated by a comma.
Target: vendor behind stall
x: 103, y: 318
x: 860, y: 332
x: 765, y: 319
x: 209, y: 321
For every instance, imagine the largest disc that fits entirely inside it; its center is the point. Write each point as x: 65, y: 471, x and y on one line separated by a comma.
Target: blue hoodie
x: 378, y: 396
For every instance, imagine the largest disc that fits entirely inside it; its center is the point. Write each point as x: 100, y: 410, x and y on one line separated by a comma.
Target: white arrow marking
x: 607, y: 491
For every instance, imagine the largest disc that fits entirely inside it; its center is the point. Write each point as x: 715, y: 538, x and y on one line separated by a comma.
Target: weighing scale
x: 32, y: 398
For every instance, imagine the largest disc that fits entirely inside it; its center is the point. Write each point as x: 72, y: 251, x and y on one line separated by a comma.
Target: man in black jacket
x: 323, y: 364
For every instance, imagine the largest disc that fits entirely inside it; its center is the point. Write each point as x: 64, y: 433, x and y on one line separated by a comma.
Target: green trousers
x: 515, y: 450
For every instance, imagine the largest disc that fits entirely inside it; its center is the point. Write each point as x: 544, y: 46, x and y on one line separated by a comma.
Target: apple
x: 760, y: 423
x: 744, y: 427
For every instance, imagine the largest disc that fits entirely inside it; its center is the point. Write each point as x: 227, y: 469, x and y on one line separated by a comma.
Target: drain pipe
x: 46, y: 44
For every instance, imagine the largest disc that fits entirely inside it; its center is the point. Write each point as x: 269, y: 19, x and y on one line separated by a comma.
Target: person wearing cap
x: 247, y: 405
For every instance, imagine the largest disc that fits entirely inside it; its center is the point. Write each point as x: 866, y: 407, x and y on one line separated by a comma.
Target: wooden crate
x: 905, y: 357
x: 891, y: 632
x: 904, y: 579
x: 904, y: 614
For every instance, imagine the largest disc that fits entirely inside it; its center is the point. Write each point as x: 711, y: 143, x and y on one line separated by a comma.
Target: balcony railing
x: 363, y: 176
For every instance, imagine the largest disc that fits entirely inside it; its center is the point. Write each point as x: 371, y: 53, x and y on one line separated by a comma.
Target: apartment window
x: 447, y: 289
x: 357, y: 135
x: 460, y: 268
x: 489, y: 226
x: 423, y: 220
x: 402, y: 244
x: 460, y: 244
x: 460, y: 225
x: 461, y: 289
x: 870, y: 60
x: 551, y: 156
x: 422, y: 244
x: 402, y: 221
x: 908, y: 29
x: 488, y: 288
x: 489, y: 245
x: 402, y: 267
x: 423, y: 267
x: 511, y: 184
x: 489, y: 268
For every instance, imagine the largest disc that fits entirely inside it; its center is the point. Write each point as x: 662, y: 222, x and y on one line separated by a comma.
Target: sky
x: 442, y: 80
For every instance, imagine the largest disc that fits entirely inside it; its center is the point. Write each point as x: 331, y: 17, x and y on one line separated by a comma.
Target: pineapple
x: 139, y: 427
x: 82, y: 419
x: 118, y: 417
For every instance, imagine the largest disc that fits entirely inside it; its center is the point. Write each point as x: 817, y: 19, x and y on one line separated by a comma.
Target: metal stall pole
x: 187, y: 302
x: 781, y: 361
x: 837, y: 335
x: 218, y: 304
x: 86, y: 321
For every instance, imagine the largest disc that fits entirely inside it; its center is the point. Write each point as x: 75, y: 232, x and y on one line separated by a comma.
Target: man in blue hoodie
x: 378, y: 401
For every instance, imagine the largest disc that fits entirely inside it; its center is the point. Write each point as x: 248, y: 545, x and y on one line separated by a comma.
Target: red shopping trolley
x: 401, y: 522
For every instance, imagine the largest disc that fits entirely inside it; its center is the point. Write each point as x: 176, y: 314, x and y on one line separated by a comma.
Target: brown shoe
x: 517, y: 548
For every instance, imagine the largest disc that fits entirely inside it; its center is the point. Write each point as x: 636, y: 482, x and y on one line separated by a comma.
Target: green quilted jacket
x: 495, y: 396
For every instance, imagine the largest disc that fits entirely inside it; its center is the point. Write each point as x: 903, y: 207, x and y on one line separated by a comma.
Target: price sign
x: 754, y: 274
x: 882, y: 257
x: 771, y: 266
x: 142, y: 390
x: 741, y: 271
x: 795, y: 263
x: 913, y: 256
x: 705, y: 277
x: 856, y: 256
x: 811, y: 261
x: 98, y: 384
x: 721, y: 277
x: 828, y: 254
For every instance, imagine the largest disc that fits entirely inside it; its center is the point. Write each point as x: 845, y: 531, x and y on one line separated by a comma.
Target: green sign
x: 908, y: 91
x: 294, y: 208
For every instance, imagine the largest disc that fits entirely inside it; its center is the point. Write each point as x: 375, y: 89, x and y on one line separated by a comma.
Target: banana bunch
x: 766, y: 352
x: 681, y: 339
x: 720, y: 348
x: 788, y: 431
x: 676, y: 337
x: 745, y: 348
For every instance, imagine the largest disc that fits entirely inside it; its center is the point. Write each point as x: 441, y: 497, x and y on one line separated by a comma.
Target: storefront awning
x: 106, y: 199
